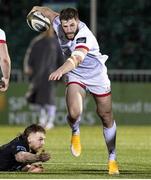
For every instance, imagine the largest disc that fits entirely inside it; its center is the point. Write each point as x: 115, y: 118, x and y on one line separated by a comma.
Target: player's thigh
x: 75, y: 95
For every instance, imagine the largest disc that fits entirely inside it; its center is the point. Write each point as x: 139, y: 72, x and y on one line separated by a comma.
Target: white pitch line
x: 83, y: 164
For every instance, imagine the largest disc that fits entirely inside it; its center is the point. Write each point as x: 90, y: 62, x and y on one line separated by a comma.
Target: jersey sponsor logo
x: 21, y: 148
x: 81, y: 40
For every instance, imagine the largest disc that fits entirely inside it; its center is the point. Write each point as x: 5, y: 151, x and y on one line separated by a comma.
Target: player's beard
x: 71, y: 35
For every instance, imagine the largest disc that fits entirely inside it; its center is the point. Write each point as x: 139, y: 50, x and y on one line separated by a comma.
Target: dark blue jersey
x: 8, y: 152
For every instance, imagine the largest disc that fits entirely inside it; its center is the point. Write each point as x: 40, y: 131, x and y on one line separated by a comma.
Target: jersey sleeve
x: 55, y: 23
x: 19, y: 146
x: 2, y: 36
x: 85, y: 39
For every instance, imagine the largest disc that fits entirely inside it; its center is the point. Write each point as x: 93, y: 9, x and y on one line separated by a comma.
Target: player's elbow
x: 77, y: 60
x: 78, y: 55
x: 20, y: 157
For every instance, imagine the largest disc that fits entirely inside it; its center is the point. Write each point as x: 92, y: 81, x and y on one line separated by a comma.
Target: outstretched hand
x: 44, y: 10
x: 56, y: 75
x: 43, y: 157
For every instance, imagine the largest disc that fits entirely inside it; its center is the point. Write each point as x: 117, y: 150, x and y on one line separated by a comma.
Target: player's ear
x: 29, y: 139
x: 77, y: 20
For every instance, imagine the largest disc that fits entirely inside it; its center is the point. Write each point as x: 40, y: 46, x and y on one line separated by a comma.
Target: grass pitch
x: 133, y: 154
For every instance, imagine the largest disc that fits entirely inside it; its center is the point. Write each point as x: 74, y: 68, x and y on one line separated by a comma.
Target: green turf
x: 133, y: 152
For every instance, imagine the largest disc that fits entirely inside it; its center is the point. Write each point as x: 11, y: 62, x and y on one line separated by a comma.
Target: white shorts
x: 98, y: 86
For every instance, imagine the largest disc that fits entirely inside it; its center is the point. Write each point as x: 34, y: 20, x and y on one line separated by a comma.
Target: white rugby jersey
x: 2, y: 36
x: 93, y: 61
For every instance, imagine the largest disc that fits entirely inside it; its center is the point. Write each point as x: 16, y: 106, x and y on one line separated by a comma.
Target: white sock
x: 110, y: 138
x: 74, y: 126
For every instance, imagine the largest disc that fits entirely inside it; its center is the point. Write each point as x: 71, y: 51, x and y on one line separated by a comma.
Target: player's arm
x: 27, y: 157
x: 71, y: 63
x: 49, y: 13
x: 5, y: 64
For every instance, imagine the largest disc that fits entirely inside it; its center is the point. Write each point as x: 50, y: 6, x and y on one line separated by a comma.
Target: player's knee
x: 106, y: 117
x: 74, y: 114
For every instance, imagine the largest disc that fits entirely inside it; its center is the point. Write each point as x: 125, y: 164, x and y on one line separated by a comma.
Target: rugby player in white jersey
x: 5, y: 62
x: 85, y: 71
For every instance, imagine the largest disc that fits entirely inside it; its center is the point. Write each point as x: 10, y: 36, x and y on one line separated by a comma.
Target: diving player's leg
x: 74, y: 98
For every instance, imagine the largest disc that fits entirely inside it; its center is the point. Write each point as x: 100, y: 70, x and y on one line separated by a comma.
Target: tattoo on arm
x: 27, y: 157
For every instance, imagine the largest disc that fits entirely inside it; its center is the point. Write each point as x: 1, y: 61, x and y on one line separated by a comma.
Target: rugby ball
x: 38, y: 22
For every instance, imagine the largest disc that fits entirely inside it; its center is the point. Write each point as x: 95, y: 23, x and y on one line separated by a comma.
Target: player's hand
x: 44, y: 10
x: 34, y: 168
x: 4, y: 83
x: 43, y: 157
x: 56, y: 75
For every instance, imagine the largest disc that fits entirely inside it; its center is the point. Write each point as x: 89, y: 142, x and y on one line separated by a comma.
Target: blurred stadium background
x: 124, y: 33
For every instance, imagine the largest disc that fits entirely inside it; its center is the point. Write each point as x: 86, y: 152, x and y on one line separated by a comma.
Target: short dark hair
x: 33, y: 129
x: 69, y: 13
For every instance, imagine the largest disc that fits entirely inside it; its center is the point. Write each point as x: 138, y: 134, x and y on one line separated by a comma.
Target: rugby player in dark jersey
x: 23, y: 152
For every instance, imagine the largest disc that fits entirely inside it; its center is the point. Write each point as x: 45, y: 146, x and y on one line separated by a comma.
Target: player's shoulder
x: 20, y: 143
x: 83, y: 33
x: 17, y: 140
x: 83, y: 26
x: 56, y: 24
x: 84, y: 30
x: 56, y: 21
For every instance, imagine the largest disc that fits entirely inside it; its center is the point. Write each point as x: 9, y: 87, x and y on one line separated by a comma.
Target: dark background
x: 123, y: 30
